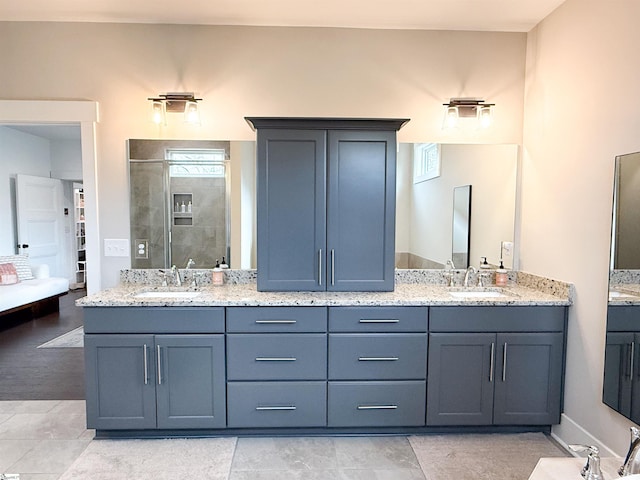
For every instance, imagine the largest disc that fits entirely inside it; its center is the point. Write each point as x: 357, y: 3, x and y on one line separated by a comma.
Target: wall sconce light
x: 458, y: 108
x: 175, y: 102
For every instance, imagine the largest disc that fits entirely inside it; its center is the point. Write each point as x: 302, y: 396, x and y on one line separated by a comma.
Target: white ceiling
x: 487, y: 15
x: 50, y: 131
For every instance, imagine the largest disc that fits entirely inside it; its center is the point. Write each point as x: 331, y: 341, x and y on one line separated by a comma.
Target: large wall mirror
x: 622, y: 355
x: 163, y: 235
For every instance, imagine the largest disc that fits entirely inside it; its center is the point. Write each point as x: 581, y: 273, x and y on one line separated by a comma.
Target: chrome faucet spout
x: 470, y: 270
x: 190, y: 264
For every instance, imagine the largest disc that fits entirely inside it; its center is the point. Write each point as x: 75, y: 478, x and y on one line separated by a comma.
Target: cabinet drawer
x: 497, y: 319
x: 277, y: 357
x: 377, y: 356
x: 378, y: 319
x: 277, y: 319
x: 376, y: 404
x: 153, y: 319
x: 276, y: 404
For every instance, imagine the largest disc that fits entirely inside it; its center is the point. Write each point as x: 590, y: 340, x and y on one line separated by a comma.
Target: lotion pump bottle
x: 217, y: 276
x: 483, y: 263
x: 501, y: 276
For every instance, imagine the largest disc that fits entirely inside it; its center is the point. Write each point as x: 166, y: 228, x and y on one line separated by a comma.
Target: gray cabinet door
x: 461, y: 376
x: 361, y: 211
x: 619, y: 371
x: 190, y: 378
x: 120, y: 381
x: 291, y: 211
x: 528, y: 379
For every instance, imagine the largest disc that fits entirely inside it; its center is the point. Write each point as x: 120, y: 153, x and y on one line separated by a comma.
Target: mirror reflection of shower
x: 179, y: 205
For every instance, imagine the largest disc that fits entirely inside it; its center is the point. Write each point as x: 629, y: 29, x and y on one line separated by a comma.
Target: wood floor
x: 30, y: 373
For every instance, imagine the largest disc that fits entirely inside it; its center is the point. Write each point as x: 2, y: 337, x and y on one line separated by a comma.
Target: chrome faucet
x: 450, y: 264
x: 591, y: 470
x: 176, y: 275
x: 190, y: 264
x: 470, y: 269
x: 632, y: 461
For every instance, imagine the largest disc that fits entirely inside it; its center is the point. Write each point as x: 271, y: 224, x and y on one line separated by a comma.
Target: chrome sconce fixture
x: 459, y: 108
x: 175, y: 102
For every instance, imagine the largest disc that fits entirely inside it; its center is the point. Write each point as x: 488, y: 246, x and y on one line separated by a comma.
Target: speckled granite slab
x: 624, y: 287
x: 240, y: 290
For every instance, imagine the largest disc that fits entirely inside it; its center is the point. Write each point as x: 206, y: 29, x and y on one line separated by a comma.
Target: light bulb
x: 157, y: 112
x: 484, y: 116
x: 451, y: 119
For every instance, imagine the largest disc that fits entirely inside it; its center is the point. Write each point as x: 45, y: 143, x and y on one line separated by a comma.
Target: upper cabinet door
x: 291, y: 210
x: 361, y: 210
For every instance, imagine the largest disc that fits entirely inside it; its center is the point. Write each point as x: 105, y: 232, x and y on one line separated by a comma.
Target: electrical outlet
x: 116, y: 247
x: 142, y: 248
x: 506, y: 249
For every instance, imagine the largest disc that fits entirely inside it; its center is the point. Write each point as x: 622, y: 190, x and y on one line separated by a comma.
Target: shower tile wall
x: 147, y: 213
x: 206, y: 239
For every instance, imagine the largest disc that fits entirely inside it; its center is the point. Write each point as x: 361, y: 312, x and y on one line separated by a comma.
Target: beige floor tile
x: 49, y: 456
x: 28, y: 406
x: 77, y: 407
x: 299, y: 453
x: 376, y: 453
x: 5, y: 416
x: 43, y: 426
x: 13, y: 450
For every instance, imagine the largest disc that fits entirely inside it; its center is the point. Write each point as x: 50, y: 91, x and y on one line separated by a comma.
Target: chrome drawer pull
x: 378, y: 359
x: 276, y: 359
x: 276, y: 322
x: 283, y: 407
x: 492, y: 361
x: 320, y: 267
x: 379, y: 320
x: 159, y: 367
x: 377, y: 407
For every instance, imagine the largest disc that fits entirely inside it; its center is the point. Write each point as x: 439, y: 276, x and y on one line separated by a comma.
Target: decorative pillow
x: 21, y: 262
x: 8, y: 274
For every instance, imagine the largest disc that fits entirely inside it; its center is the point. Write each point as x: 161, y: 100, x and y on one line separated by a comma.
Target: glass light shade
x: 191, y: 113
x: 451, y: 117
x: 485, y: 116
x: 157, y: 112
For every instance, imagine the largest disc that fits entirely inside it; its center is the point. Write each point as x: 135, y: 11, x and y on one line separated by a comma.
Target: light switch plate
x: 507, y: 249
x: 116, y: 247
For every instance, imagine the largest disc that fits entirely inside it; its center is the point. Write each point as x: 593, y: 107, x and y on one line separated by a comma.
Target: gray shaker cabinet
x: 326, y: 204
x: 483, y: 377
x: 137, y: 380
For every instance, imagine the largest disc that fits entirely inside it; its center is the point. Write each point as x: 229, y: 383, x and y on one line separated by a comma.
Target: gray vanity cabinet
x: 495, y: 365
x: 142, y: 380
x: 276, y: 367
x: 622, y: 361
x: 326, y: 204
x: 377, y: 366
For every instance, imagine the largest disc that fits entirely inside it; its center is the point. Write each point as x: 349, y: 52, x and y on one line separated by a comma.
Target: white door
x: 40, y: 215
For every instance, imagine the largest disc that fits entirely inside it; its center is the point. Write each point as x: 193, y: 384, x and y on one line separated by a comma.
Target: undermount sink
x: 477, y: 294
x: 620, y: 294
x: 166, y: 294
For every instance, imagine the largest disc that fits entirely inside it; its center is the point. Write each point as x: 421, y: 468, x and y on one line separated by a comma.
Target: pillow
x: 21, y: 262
x: 8, y: 274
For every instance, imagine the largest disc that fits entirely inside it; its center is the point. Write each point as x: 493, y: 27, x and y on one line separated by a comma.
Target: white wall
x: 66, y: 160
x: 245, y: 71
x: 25, y: 154
x: 582, y: 109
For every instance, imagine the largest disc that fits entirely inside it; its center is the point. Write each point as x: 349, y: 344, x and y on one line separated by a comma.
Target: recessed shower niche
x: 179, y: 202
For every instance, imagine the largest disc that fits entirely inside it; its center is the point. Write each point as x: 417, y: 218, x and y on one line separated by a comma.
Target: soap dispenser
x: 217, y: 276
x: 484, y: 264
x: 501, y: 276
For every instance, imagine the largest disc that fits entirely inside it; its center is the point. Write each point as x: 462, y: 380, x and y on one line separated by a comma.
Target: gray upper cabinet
x: 326, y: 204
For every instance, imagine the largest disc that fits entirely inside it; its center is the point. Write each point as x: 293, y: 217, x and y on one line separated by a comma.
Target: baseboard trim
x: 570, y: 430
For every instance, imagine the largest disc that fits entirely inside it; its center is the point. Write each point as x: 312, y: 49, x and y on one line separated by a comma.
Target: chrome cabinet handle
x: 631, y: 359
x: 378, y: 359
x: 377, y: 407
x: 492, y: 361
x: 379, y: 320
x: 504, y: 362
x: 159, y: 367
x: 146, y: 365
x: 320, y: 267
x: 281, y: 407
x: 276, y: 359
x: 333, y: 267
x: 275, y: 322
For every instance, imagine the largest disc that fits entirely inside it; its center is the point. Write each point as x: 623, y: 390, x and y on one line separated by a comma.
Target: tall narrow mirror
x: 461, y: 226
x: 622, y: 353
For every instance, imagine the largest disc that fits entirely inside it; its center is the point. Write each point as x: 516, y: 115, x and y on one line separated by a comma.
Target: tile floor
x: 47, y: 440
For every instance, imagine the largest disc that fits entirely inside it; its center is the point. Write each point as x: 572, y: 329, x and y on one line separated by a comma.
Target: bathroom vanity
x: 233, y: 360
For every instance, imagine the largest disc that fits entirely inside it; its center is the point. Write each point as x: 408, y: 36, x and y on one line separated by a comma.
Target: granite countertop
x: 624, y: 294
x: 418, y: 293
